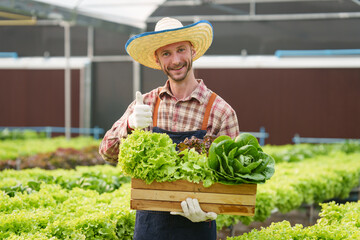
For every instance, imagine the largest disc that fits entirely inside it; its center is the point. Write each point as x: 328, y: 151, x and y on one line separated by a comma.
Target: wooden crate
x: 167, y: 196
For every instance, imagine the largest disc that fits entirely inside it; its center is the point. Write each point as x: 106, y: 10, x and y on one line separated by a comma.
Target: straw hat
x: 142, y: 47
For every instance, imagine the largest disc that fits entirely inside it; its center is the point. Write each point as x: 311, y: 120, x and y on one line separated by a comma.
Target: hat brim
x: 142, y: 47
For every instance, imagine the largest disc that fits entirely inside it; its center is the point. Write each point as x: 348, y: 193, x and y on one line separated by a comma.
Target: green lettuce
x: 194, y: 167
x: 153, y: 156
x: 149, y: 156
x: 240, y: 160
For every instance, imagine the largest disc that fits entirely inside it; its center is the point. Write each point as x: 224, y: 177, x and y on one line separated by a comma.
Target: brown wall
x: 36, y: 97
x: 310, y: 102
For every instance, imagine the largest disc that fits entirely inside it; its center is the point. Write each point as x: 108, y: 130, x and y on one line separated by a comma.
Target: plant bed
x: 65, y: 158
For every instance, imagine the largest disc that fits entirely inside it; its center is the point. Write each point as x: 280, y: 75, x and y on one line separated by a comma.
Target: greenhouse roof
x: 255, y: 26
x: 130, y: 13
x: 133, y: 13
x: 136, y: 14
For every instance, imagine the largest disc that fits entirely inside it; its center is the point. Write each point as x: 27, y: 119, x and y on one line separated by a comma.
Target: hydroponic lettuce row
x: 153, y: 156
x: 310, y: 181
x: 300, y: 152
x: 88, y: 180
x: 66, y: 158
x: 13, y: 149
x: 59, y: 212
x: 338, y: 221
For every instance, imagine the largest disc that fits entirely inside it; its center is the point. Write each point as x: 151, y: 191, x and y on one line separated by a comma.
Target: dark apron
x: 156, y: 225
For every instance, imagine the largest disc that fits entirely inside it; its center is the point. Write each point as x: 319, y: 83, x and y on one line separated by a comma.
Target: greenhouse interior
x: 180, y: 119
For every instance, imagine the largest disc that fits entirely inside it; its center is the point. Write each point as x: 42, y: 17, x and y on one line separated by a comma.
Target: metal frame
x: 49, y: 130
x: 297, y: 140
x: 25, y: 20
x: 69, y: 17
x: 262, y: 17
x: 252, y: 16
x: 85, y: 84
x: 67, y: 81
x: 238, y: 62
x: 261, y: 135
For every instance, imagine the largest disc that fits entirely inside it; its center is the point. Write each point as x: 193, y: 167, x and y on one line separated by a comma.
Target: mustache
x: 177, y: 66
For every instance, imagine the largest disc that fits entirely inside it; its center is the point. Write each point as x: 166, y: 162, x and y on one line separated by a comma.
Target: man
x: 182, y: 108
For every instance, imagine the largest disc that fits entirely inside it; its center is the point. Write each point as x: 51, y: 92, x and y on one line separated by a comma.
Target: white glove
x: 142, y: 115
x: 193, y: 212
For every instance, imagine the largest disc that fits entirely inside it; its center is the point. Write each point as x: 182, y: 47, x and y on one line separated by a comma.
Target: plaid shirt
x: 177, y: 116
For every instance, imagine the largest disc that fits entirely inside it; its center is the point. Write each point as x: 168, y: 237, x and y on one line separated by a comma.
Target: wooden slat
x: 182, y: 185
x: 220, y: 198
x: 207, y: 207
x: 150, y: 194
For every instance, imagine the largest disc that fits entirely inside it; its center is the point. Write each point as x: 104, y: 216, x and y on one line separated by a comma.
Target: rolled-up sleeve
x: 109, y: 146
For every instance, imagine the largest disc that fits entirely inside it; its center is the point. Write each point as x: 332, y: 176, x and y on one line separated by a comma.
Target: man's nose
x: 175, y: 58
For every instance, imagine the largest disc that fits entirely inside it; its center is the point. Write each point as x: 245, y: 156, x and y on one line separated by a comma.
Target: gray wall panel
x: 152, y: 78
x: 36, y: 40
x: 112, y: 92
x: 264, y: 37
x: 109, y: 42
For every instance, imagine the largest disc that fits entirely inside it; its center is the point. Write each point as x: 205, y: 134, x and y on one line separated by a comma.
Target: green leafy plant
x: 67, y: 211
x: 148, y: 156
x: 338, y: 221
x: 153, y: 156
x: 314, y: 180
x: 300, y: 152
x: 14, y: 149
x: 88, y: 180
x: 7, y: 134
x: 194, y: 167
x: 240, y: 161
x: 57, y: 213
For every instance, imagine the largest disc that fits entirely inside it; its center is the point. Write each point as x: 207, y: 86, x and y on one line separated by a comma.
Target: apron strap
x: 206, y: 115
x: 207, y: 111
x: 155, y: 114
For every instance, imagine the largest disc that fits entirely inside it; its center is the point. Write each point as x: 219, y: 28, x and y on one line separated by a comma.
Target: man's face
x: 176, y: 59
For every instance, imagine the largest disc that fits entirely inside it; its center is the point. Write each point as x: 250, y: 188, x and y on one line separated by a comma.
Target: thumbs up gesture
x: 142, y: 115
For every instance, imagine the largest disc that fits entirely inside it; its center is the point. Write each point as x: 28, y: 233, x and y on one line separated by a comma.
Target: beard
x: 181, y: 75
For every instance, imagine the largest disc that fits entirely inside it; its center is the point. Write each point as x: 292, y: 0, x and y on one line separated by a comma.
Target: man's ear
x: 157, y: 59
x: 193, y: 52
